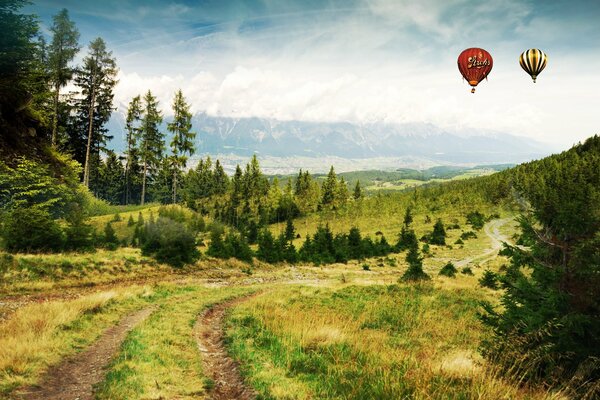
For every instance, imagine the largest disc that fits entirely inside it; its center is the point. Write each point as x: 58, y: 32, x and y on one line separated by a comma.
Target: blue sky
x: 360, y: 61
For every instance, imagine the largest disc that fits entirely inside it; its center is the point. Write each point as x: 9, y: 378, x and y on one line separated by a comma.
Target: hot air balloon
x: 475, y: 64
x: 533, y: 61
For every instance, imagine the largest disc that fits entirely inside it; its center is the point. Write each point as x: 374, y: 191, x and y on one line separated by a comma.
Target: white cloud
x: 392, y: 61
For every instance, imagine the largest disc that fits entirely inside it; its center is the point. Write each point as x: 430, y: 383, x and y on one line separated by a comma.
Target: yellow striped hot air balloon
x: 533, y: 61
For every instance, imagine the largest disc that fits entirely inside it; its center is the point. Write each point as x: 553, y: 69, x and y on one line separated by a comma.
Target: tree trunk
x: 144, y: 183
x: 175, y: 186
x: 86, y: 169
x: 55, y: 119
x: 127, y: 167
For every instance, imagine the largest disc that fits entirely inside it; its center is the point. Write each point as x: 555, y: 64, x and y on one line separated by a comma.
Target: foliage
x: 552, y: 289
x: 31, y: 229
x: 110, y: 240
x: 415, y: 265
x: 438, y: 235
x: 476, y: 220
x: 169, y: 242
x: 449, y: 270
x: 489, y: 280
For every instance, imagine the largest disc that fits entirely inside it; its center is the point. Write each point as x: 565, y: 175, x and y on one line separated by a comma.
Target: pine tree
x: 341, y: 195
x: 220, y: 179
x: 329, y: 188
x: 415, y: 265
x: 290, y: 231
x: 183, y: 139
x: 407, y: 237
x: 438, y: 236
x: 132, y: 125
x: 110, y: 185
x: 96, y: 80
x: 110, y: 238
x: 62, y: 50
x: 151, y: 141
x: 357, y: 191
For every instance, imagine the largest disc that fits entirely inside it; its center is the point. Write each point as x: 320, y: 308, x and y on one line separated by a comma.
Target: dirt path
x: 218, y: 365
x: 492, y: 230
x: 74, y: 378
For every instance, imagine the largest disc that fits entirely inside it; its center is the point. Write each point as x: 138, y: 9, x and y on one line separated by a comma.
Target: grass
x: 374, y: 342
x: 160, y: 358
x: 42, y: 272
x: 39, y: 335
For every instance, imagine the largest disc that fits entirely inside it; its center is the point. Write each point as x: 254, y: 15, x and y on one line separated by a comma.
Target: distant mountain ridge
x: 246, y: 136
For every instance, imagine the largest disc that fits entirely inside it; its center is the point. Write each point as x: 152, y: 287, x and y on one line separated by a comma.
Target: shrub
x: 449, y: 270
x: 31, y: 229
x: 468, y: 235
x: 459, y: 241
x: 366, y: 267
x: 466, y: 271
x: 169, y: 242
x: 130, y: 221
x: 476, y: 220
x: 116, y: 218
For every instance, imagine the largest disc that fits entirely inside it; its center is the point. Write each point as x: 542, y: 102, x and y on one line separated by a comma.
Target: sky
x: 360, y: 61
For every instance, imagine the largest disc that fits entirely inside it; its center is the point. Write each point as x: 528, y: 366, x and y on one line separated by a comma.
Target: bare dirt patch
x: 218, y: 365
x: 75, y: 377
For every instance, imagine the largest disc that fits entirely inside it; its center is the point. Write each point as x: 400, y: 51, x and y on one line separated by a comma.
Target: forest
x: 76, y: 215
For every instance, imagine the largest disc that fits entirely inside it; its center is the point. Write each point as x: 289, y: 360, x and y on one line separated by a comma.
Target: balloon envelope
x: 533, y: 61
x: 475, y: 64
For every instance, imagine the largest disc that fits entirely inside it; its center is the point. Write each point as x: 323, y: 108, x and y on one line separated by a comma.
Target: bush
x: 476, y: 220
x: 449, y: 270
x: 169, y: 242
x: 130, y: 221
x: 466, y: 271
x: 468, y: 235
x: 366, y: 267
x: 32, y: 229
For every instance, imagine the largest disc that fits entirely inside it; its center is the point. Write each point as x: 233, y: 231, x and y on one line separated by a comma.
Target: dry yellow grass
x: 40, y: 334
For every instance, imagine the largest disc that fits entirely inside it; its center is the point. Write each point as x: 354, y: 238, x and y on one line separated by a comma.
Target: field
x: 306, y: 332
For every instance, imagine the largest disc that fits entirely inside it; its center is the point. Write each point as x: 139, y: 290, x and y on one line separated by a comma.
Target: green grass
x: 374, y: 342
x: 160, y: 358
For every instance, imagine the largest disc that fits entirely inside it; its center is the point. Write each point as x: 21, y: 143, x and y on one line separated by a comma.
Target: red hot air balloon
x: 475, y: 64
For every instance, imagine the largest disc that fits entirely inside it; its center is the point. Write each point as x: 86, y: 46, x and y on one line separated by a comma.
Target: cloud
x: 362, y: 61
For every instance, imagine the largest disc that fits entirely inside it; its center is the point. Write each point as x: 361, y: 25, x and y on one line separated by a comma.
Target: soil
x: 76, y: 376
x: 217, y: 364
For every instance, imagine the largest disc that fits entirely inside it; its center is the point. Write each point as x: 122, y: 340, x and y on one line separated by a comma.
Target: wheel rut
x: 218, y: 365
x: 75, y: 377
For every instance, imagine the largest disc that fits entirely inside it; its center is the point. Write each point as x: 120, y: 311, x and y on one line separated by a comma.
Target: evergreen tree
x: 415, y: 265
x: 62, y: 50
x: 355, y: 243
x: 183, y: 139
x: 290, y: 231
x: 438, y: 236
x: 552, y: 286
x: 358, y: 194
x: 162, y: 182
x: 110, y: 185
x: 132, y: 125
x: 110, y: 237
x: 407, y: 237
x: 267, y: 249
x: 151, y: 141
x: 96, y: 80
x: 307, y: 193
x: 329, y: 188
x: 220, y: 180
x: 342, y: 195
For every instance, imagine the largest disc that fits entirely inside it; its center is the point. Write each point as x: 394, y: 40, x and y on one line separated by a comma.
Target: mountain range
x: 423, y: 141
